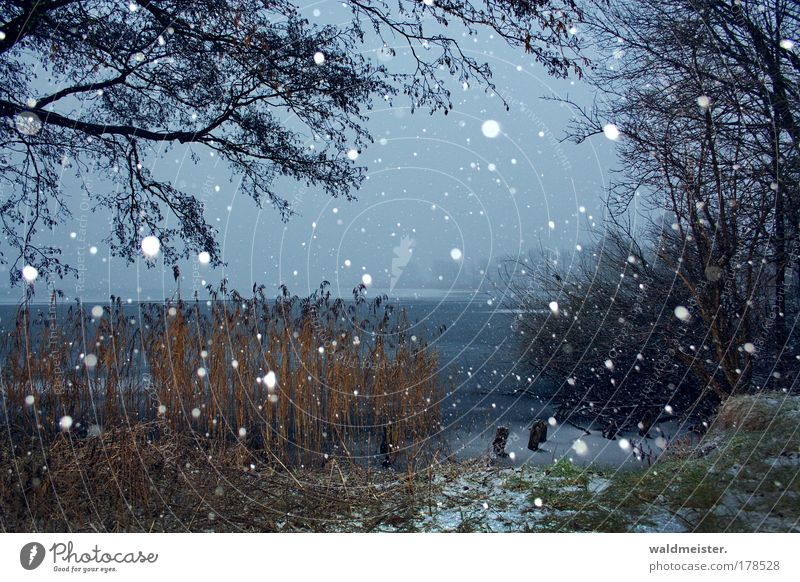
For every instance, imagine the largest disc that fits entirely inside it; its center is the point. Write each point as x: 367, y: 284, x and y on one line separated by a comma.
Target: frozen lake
x: 492, y: 386
x: 488, y: 384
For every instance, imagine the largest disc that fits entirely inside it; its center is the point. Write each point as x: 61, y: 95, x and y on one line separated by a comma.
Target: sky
x: 445, y: 199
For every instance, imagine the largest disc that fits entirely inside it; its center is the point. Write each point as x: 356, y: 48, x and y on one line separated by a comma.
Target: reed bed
x: 123, y: 480
x: 299, y: 380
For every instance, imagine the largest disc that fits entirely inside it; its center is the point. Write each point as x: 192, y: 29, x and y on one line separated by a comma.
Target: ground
x: 741, y: 477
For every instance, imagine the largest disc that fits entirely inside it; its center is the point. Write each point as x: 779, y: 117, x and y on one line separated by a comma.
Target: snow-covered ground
x: 568, y: 442
x: 741, y: 477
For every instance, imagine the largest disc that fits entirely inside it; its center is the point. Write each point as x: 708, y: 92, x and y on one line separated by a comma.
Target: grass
x: 730, y: 481
x: 137, y: 459
x: 123, y: 481
x: 742, y: 477
x: 304, y: 379
x: 121, y: 420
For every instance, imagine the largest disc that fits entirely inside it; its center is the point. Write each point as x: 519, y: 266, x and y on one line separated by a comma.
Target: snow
x: 28, y: 123
x: 682, y: 313
x: 598, y: 484
x: 151, y: 246
x: 455, y: 254
x: 479, y: 499
x: 481, y: 495
x: 204, y: 257
x: 490, y: 128
x: 611, y: 131
x: 29, y: 273
x: 580, y: 447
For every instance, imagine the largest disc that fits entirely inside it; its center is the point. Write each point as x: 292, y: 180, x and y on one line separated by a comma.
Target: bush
x: 604, y: 329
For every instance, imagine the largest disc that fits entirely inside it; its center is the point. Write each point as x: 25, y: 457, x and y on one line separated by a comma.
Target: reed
x: 301, y: 379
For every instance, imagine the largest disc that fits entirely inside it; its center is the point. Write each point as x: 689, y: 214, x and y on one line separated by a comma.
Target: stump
x: 649, y: 419
x: 538, y: 434
x: 387, y: 450
x: 699, y: 429
x: 499, y: 443
x: 610, y: 431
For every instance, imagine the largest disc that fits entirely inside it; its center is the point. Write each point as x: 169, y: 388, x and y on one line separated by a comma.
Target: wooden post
x: 611, y: 429
x: 500, y: 440
x: 649, y: 418
x: 538, y: 434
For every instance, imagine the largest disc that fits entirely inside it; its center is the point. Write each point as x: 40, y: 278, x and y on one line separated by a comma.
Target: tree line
x: 689, y: 293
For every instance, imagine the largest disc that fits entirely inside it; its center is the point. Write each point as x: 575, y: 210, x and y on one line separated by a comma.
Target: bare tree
x: 101, y: 88
x: 705, y: 94
x: 702, y: 99
x: 599, y: 326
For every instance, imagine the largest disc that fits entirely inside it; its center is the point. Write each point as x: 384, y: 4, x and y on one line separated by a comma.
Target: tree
x: 102, y: 88
x: 600, y: 328
x: 702, y: 99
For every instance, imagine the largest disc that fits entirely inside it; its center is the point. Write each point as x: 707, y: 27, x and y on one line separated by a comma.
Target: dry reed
x: 302, y: 380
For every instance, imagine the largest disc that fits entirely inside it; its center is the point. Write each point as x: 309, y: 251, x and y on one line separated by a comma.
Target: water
x: 493, y: 386
x: 487, y: 381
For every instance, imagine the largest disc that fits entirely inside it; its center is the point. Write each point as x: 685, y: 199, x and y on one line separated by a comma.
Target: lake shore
x: 741, y: 477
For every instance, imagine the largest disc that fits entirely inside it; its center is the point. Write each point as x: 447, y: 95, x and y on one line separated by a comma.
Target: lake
x: 488, y: 383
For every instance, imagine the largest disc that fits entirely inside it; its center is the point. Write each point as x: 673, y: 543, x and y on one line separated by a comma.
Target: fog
x: 446, y: 197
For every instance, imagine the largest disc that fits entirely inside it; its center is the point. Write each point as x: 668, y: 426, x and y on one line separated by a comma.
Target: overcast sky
x: 460, y: 191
